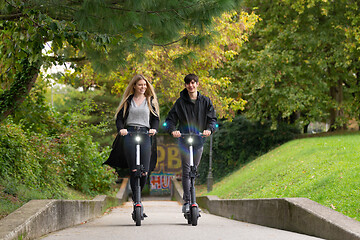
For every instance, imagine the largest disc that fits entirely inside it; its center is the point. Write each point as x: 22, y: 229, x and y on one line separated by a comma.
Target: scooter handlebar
x: 138, y: 132
x: 192, y: 138
x: 193, y: 134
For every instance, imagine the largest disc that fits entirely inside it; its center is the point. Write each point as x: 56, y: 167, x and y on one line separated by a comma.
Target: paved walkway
x: 165, y: 221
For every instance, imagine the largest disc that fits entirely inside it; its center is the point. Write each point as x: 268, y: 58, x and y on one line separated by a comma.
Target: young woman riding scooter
x: 138, y: 111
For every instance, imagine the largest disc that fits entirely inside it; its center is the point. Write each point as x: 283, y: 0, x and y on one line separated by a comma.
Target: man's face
x: 192, y: 86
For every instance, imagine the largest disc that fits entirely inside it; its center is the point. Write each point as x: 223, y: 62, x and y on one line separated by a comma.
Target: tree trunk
x: 24, y: 81
x: 305, y: 128
x: 336, y: 92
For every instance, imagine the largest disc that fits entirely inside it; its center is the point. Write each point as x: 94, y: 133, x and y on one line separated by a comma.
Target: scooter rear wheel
x: 194, y: 215
x: 138, y: 216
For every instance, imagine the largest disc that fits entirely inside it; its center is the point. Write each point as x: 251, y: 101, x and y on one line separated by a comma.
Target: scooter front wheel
x: 194, y: 215
x: 188, y: 217
x: 138, y: 216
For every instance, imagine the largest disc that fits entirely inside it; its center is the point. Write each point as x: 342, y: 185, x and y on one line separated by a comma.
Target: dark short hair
x: 188, y: 78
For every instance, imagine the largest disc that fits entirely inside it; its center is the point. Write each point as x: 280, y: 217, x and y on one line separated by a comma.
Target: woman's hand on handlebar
x: 152, y: 132
x: 123, y: 132
x: 176, y: 134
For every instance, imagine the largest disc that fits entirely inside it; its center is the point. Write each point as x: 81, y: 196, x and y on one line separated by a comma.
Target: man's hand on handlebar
x: 206, y: 133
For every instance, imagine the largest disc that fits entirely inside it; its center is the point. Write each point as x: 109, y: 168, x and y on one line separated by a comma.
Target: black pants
x: 145, y: 154
x: 185, y: 162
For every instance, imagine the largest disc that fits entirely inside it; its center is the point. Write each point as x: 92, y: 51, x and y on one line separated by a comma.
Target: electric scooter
x: 194, y: 212
x: 138, y: 212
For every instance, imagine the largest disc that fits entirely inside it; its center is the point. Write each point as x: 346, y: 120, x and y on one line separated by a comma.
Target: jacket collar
x: 185, y: 95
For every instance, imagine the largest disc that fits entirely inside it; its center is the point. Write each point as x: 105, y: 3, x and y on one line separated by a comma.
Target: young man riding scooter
x: 191, y: 113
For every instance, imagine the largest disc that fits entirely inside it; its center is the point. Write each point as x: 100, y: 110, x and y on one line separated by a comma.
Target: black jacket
x: 117, y: 158
x: 187, y: 116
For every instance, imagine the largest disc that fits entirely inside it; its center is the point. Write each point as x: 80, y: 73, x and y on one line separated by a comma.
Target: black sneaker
x: 186, y: 207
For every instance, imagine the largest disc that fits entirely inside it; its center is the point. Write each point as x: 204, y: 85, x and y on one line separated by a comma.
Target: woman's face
x: 140, y: 87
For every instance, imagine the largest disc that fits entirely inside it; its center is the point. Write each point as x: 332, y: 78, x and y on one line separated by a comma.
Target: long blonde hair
x: 149, y: 93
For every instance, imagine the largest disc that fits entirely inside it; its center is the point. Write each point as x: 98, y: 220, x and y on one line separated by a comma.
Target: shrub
x: 82, y: 164
x: 26, y: 159
x: 42, y: 152
x: 51, y: 163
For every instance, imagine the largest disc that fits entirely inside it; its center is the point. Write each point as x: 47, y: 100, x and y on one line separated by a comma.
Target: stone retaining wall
x: 39, y: 217
x: 299, y: 215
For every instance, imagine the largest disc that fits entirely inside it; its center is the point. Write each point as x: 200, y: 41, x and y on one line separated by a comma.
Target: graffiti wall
x: 168, y: 160
x: 168, y: 165
x: 160, y: 183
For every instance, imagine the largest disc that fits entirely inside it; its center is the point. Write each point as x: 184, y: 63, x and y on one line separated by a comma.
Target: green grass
x: 323, y: 169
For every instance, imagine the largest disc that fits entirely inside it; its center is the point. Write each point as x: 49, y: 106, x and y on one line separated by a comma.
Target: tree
x: 102, y: 32
x: 301, y: 62
x: 168, y: 65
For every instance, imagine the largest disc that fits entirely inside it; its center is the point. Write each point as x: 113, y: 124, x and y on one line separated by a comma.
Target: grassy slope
x: 323, y: 169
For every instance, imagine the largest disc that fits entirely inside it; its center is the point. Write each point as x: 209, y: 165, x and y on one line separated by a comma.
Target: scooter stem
x: 191, y: 155
x: 138, y: 155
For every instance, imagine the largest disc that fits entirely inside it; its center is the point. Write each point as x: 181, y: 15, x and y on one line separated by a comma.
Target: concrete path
x: 166, y: 221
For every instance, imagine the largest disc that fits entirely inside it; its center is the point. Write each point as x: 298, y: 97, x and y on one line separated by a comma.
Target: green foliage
x: 167, y: 66
x: 93, y: 108
x: 298, y: 53
x: 102, y: 32
x: 35, y: 114
x: 323, y: 169
x: 25, y: 158
x: 51, y: 163
x: 42, y: 149
x: 240, y: 141
x: 43, y: 152
x: 82, y: 162
x: 11, y: 98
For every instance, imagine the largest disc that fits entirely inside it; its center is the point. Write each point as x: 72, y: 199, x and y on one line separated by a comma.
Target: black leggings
x: 133, y: 183
x: 145, y: 154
